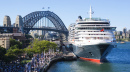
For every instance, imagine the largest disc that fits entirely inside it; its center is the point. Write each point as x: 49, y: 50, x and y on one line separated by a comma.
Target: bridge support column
x: 66, y: 36
x: 19, y: 23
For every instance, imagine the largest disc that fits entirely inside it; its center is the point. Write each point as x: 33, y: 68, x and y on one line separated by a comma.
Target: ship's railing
x: 95, y: 28
x: 96, y: 19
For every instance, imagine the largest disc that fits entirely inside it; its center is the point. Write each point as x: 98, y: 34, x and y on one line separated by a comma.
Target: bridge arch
x: 32, y: 18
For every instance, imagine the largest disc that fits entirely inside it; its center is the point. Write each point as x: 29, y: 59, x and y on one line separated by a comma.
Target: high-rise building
x: 128, y: 31
x: 119, y: 32
x: 124, y: 30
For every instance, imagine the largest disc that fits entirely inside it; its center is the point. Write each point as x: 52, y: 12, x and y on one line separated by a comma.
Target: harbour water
x: 118, y: 61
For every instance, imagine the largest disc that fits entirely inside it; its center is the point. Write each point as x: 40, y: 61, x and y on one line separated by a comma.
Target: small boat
x: 122, y: 42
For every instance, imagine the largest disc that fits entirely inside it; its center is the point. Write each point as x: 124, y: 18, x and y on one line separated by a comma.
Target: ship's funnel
x: 80, y: 17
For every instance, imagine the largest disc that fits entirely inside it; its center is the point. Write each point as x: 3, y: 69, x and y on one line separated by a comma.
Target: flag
x: 102, y: 30
x: 48, y: 7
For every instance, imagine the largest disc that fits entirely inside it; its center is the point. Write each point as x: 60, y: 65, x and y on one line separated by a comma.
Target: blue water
x: 118, y: 61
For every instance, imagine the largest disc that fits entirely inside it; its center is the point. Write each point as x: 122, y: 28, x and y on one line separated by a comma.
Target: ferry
x: 92, y: 38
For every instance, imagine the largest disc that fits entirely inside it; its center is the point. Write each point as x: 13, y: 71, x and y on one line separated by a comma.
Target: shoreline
x: 64, y: 58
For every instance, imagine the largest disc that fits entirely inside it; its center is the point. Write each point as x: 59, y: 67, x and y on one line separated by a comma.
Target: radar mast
x: 91, y: 12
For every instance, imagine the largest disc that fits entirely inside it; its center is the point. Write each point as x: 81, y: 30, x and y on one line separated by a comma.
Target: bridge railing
x: 43, y: 27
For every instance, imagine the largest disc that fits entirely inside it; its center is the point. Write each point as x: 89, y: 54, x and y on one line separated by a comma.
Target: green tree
x: 29, y: 38
x: 2, y: 52
x: 16, y: 52
x: 14, y: 47
x: 30, y: 54
x: 39, y: 46
x: 14, y: 42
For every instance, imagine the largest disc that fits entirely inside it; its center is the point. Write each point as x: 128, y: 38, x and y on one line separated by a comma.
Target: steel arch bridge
x: 32, y: 18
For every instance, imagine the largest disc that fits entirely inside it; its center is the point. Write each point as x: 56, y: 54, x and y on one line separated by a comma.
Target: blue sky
x: 117, y: 11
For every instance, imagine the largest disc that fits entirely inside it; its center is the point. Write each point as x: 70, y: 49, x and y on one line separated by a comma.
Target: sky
x: 117, y: 11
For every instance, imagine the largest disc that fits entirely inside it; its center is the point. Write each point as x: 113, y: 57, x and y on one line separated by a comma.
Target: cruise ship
x: 92, y: 38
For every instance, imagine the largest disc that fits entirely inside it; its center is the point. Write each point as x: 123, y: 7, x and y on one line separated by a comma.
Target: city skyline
x: 116, y: 11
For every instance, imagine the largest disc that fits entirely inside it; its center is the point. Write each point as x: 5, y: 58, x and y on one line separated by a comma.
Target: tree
x: 2, y: 52
x: 30, y: 54
x: 39, y: 46
x: 14, y: 42
x: 13, y: 52
x: 16, y: 52
x: 28, y: 36
x: 14, y: 47
x: 53, y: 45
x: 41, y: 37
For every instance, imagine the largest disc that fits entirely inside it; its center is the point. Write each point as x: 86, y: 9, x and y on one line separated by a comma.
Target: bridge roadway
x: 45, y: 28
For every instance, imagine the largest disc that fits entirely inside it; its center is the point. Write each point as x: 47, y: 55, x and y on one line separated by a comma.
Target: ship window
x: 100, y: 37
x: 87, y: 37
x: 76, y: 38
x: 95, y: 23
x: 91, y: 53
x: 107, y: 38
x: 94, y: 37
x: 92, y: 28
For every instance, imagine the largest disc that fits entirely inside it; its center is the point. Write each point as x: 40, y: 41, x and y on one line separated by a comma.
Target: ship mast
x: 91, y: 12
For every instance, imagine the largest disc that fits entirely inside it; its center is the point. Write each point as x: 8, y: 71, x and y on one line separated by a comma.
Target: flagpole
x: 48, y: 8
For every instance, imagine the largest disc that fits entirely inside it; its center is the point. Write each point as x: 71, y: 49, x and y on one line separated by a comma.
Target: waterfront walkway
x: 42, y: 62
